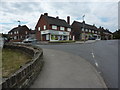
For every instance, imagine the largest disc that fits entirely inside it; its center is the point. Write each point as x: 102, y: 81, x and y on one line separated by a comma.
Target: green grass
x: 63, y: 41
x: 12, y: 60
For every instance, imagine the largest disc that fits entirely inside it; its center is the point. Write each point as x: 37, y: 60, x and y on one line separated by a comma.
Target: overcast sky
x: 98, y: 12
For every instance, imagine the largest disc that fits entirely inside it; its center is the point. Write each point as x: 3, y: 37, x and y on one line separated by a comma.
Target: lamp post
x: 83, y: 27
x: 18, y: 32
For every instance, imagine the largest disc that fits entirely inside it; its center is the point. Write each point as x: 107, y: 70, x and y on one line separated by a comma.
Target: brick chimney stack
x: 68, y: 20
x: 46, y: 14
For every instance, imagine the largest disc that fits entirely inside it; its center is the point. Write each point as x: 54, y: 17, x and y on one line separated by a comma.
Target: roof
x: 80, y: 24
x: 19, y: 28
x: 56, y: 21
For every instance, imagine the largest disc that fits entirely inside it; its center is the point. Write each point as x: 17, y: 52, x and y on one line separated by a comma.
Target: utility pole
x: 84, y: 27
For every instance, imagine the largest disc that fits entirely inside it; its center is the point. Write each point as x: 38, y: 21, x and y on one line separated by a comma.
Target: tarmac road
x: 102, y: 54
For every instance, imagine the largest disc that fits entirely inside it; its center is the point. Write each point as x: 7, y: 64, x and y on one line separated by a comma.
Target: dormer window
x: 62, y: 28
x: 44, y: 27
x: 54, y: 27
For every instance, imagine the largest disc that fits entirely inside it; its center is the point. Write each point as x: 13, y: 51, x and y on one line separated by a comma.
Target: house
x: 32, y: 34
x: 82, y: 31
x: 52, y: 28
x: 105, y: 34
x: 19, y: 33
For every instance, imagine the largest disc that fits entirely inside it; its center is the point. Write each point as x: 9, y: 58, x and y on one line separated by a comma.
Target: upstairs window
x: 95, y: 31
x: 26, y: 32
x: 62, y: 28
x: 86, y: 30
x: 92, y: 31
x: 44, y: 27
x: 69, y: 29
x: 89, y: 30
x: 38, y: 28
x: 83, y: 29
x: 54, y: 27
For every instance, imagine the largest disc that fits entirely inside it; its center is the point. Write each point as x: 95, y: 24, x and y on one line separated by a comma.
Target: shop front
x: 52, y: 35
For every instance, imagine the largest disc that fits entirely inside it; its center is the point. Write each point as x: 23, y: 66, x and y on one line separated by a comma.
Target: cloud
x: 98, y: 13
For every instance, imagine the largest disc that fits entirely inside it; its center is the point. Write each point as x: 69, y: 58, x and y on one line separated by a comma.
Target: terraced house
x: 82, y: 31
x: 52, y: 28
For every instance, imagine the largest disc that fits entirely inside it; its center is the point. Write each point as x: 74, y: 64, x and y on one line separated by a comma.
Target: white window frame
x: 54, y: 27
x: 62, y: 28
x: 92, y: 31
x: 69, y: 29
x: 86, y: 30
x: 38, y: 28
x: 26, y: 32
x: 83, y: 29
x: 44, y: 27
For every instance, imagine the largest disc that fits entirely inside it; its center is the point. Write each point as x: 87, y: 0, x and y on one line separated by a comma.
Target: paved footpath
x: 65, y: 70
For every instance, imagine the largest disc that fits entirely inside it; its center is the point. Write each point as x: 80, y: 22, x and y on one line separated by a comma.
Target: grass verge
x: 12, y: 60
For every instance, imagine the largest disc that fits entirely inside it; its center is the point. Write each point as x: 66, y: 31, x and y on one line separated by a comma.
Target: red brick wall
x: 41, y: 23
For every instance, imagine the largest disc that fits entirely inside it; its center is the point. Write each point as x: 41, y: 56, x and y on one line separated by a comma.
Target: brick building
x: 82, y: 30
x: 52, y: 28
x: 19, y: 33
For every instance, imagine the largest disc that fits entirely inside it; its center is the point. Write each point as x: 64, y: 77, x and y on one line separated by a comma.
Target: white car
x: 29, y: 40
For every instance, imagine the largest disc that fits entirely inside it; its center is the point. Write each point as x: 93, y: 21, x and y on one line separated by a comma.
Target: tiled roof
x: 19, y: 28
x: 56, y: 21
x: 80, y: 24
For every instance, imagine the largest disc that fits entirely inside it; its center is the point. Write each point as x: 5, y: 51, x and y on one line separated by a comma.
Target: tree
x: 116, y: 34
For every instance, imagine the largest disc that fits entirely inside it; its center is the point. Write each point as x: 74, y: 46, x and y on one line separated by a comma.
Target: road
x: 102, y: 54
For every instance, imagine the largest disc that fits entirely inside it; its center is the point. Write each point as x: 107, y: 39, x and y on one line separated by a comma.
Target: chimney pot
x: 68, y: 20
x: 57, y: 17
x: 46, y: 14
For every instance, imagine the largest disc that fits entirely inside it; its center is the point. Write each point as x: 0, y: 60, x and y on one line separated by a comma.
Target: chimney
x: 46, y: 14
x: 68, y: 20
x: 57, y: 17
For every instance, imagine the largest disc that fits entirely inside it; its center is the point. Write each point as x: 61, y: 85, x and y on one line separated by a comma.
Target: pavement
x: 89, y: 41
x: 66, y: 70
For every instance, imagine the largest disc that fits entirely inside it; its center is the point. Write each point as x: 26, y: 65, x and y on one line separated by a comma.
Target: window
x: 92, y: 31
x: 11, y: 33
x: 26, y: 32
x: 95, y: 31
x: 15, y: 32
x: 86, y: 30
x: 47, y: 37
x: 15, y: 37
x: 62, y: 28
x: 99, y: 32
x: 83, y: 29
x: 38, y: 28
x: 69, y: 29
x: 54, y: 27
x: 89, y: 30
x: 44, y: 27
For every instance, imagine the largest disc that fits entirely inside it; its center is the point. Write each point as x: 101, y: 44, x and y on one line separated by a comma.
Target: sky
x: 99, y: 12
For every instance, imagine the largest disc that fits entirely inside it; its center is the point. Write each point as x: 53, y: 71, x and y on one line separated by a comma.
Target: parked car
x: 91, y: 38
x: 29, y: 40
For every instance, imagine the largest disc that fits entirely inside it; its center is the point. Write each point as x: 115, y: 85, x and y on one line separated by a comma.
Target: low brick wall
x: 26, y: 75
